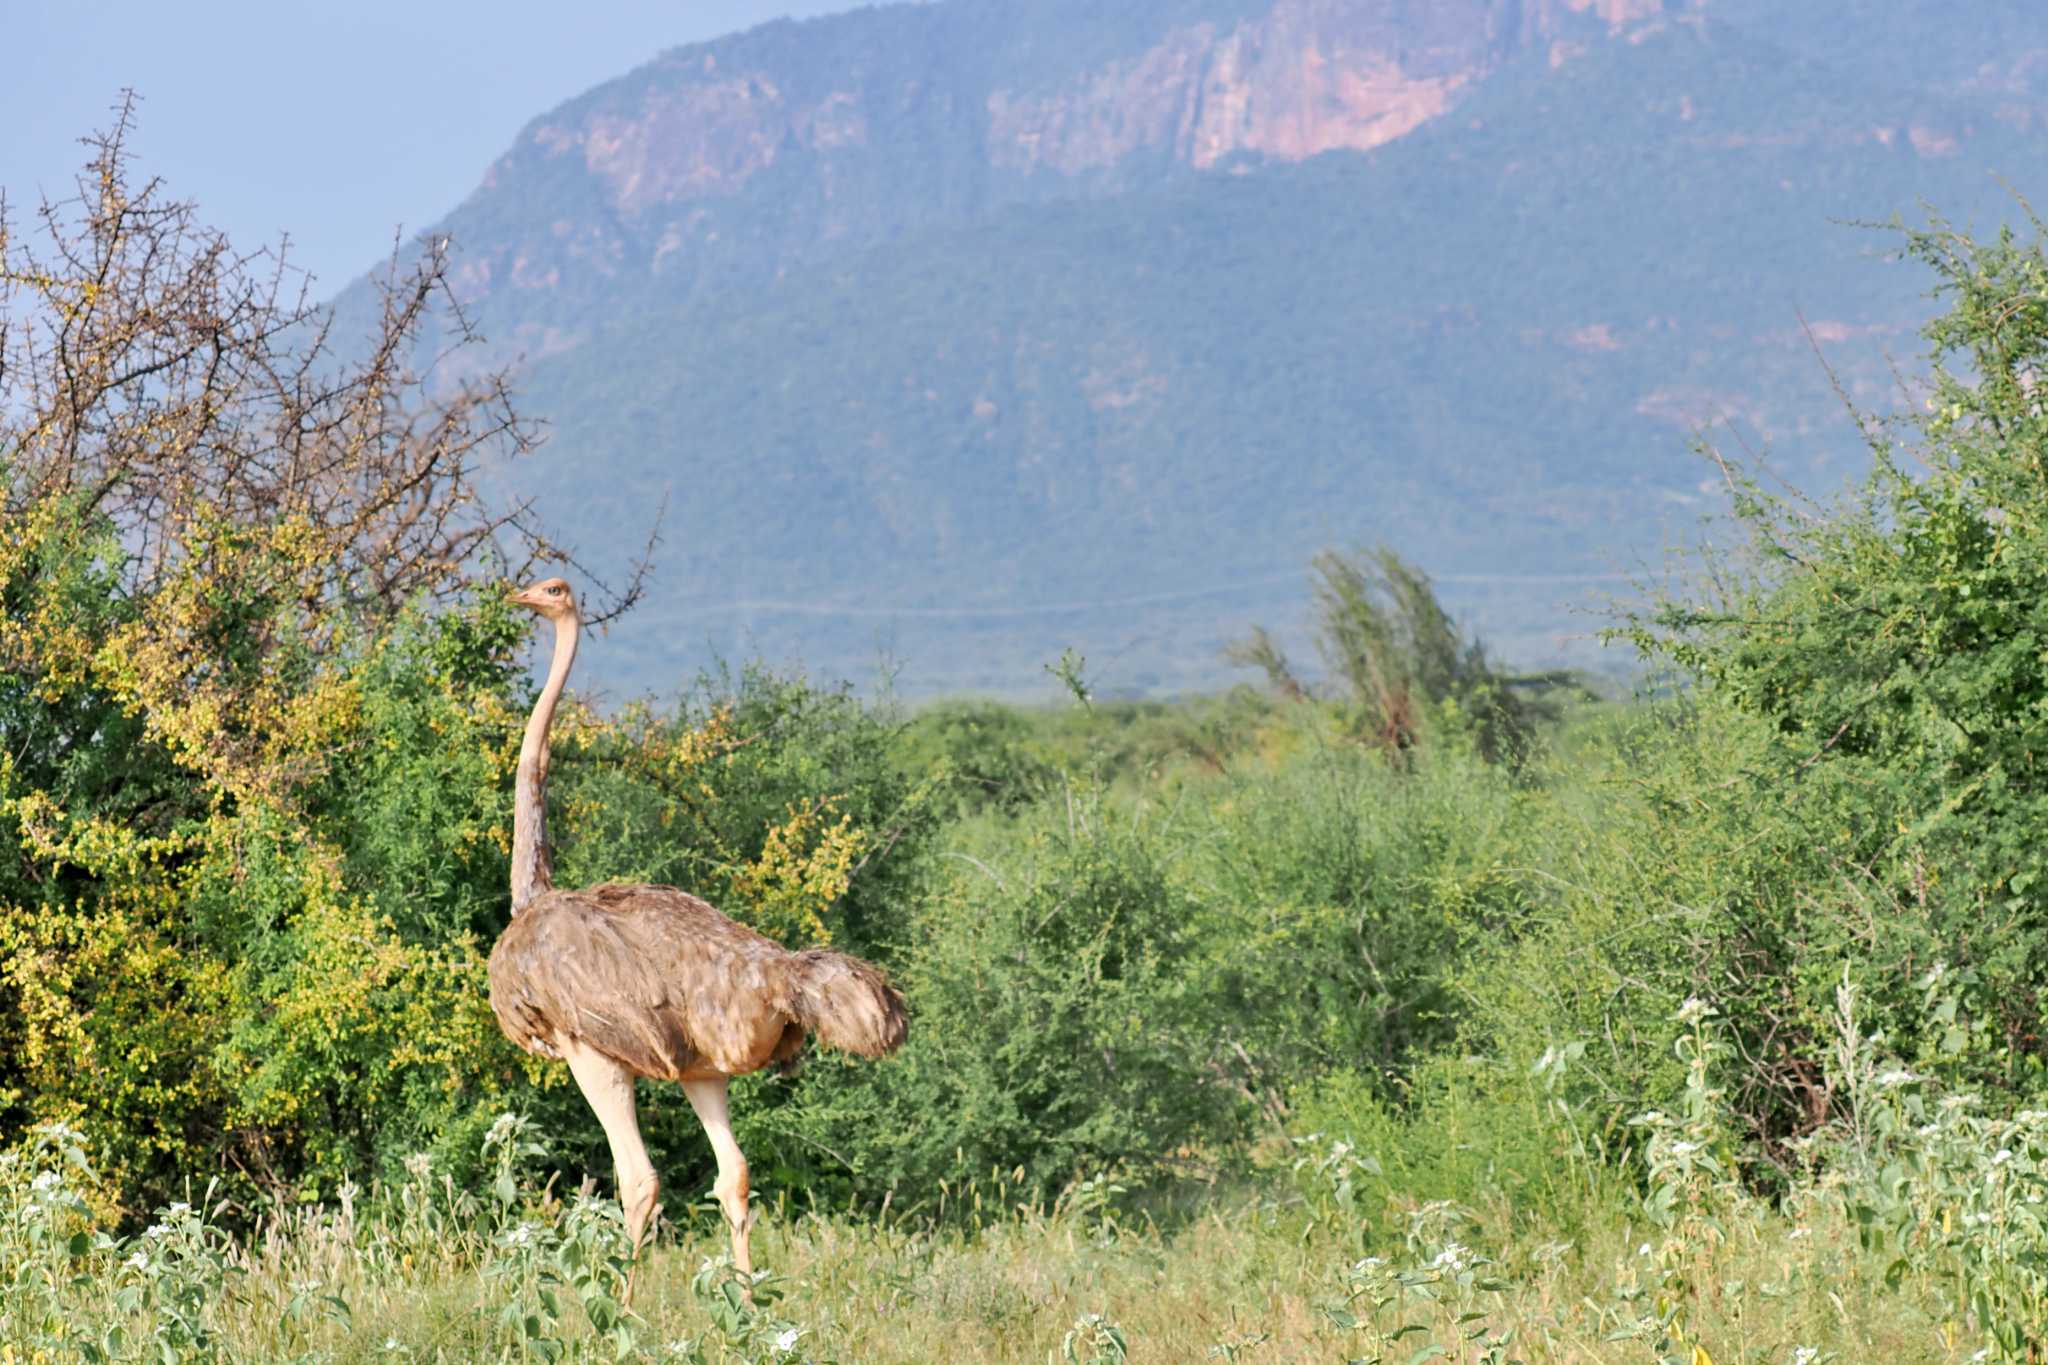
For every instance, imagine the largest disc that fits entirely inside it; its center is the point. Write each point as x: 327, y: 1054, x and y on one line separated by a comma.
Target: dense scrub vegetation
x: 1456, y: 1008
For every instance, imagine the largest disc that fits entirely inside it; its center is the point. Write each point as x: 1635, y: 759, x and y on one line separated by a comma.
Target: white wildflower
x: 1800, y: 1234
x: 1952, y: 1103
x: 177, y: 1210
x: 1896, y: 1077
x: 1805, y: 1355
x: 1684, y: 1148
x: 1452, y: 1257
x: 502, y: 1129
x: 420, y: 1165
x: 137, y: 1261
x: 2001, y: 1156
x: 45, y: 1181
x: 785, y: 1341
x: 154, y: 1231
x: 1643, y: 1250
x: 1693, y: 1010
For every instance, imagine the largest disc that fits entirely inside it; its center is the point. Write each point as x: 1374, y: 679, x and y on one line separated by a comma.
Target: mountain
x: 963, y: 332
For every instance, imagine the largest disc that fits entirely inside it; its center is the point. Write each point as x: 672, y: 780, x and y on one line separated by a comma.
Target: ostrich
x: 622, y: 981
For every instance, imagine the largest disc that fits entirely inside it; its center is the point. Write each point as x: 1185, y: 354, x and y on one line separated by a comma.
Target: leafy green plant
x: 1094, y: 1340
x: 1956, y: 1195
x: 1691, y: 1192
x: 46, y: 1235
x: 582, y: 1250
x: 987, y: 754
x: 174, y: 1277
x: 744, y: 1318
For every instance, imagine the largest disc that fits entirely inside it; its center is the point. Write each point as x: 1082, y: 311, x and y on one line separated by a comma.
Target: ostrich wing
x: 648, y: 975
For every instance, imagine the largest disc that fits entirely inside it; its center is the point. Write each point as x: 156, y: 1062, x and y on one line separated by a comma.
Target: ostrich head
x: 550, y: 597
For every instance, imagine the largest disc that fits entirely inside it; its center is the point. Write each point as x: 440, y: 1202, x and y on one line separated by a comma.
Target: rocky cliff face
x: 1307, y: 77
x: 733, y: 161
x: 826, y: 115
x: 1310, y: 76
x: 1304, y: 77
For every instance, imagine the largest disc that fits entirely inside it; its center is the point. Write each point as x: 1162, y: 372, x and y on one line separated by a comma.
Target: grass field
x: 1315, y: 1259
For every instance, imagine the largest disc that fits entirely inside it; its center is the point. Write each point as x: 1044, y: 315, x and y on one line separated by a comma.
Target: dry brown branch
x: 153, y: 376
x: 256, y: 487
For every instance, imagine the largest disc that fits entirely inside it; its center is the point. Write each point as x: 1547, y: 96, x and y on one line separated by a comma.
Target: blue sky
x: 335, y: 122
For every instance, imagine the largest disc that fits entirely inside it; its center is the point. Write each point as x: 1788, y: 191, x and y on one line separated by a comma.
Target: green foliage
x: 986, y: 752
x: 1104, y: 982
x: 206, y: 530
x: 1406, y: 670
x: 1875, y: 670
x: 778, y: 799
x: 1059, y: 1029
x: 1339, y: 892
x: 1149, y: 747
x: 1942, y: 1187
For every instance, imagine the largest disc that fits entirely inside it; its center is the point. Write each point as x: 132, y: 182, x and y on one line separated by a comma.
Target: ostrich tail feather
x: 846, y: 1003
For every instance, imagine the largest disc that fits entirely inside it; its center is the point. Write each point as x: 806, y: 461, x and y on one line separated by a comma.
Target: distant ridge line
x: 1069, y: 608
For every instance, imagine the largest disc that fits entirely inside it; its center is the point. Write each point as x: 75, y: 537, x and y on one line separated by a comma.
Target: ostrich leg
x: 609, y: 1088
x: 708, y: 1099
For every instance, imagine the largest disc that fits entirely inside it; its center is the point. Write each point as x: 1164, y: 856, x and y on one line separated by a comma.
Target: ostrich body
x: 621, y: 981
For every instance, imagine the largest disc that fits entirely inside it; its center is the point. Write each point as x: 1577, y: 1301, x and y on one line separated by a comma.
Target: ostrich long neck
x: 531, y: 873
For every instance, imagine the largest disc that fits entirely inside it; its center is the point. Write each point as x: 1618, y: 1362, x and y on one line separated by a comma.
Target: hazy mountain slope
x: 1997, y: 49
x: 1487, y: 342
x: 976, y: 329
x: 720, y: 164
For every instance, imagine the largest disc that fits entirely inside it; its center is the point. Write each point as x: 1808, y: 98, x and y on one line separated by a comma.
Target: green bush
x: 1872, y: 713
x: 1059, y: 1031
x: 986, y: 753
x: 1339, y: 894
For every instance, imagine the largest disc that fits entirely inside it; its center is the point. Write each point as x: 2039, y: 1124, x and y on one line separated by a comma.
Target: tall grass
x: 1916, y: 1235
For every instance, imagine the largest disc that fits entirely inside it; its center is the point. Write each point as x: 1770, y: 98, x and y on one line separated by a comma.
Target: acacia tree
x: 213, y: 509
x: 237, y: 471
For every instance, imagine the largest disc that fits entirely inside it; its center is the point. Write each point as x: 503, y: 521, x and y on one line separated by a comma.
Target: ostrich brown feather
x: 623, y: 981
x: 657, y: 980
